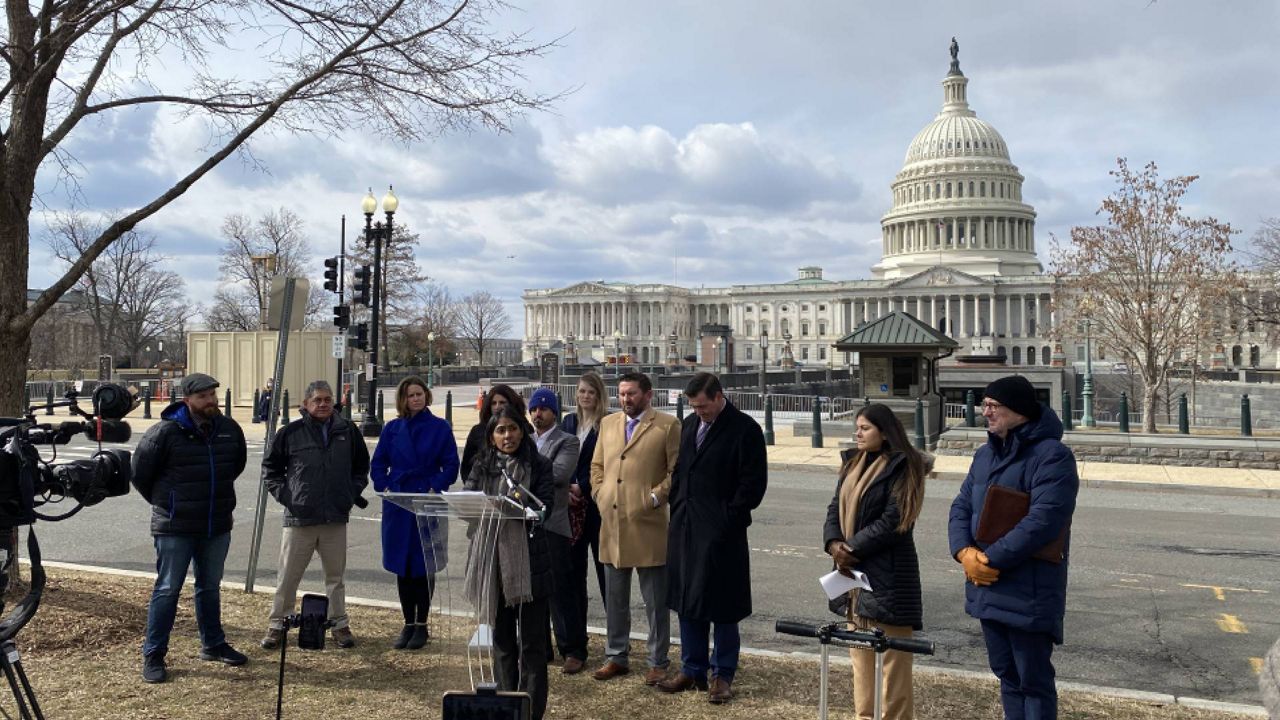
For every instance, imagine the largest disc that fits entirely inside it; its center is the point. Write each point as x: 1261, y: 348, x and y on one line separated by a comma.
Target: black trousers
x: 520, y: 650
x: 415, y: 597
x: 578, y: 553
x: 568, y: 618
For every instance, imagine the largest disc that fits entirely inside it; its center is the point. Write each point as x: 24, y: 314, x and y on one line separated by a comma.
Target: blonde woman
x: 869, y: 528
x: 592, y: 404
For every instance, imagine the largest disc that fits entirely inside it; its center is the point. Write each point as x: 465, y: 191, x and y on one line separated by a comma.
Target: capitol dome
x: 958, y: 198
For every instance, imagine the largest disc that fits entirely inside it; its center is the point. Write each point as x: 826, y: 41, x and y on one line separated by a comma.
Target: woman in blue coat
x: 416, y: 453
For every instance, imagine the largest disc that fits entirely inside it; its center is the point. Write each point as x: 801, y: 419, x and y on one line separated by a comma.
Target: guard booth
x: 898, y: 356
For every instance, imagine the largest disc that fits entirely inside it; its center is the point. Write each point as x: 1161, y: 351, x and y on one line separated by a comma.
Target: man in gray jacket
x: 561, y: 449
x: 317, y: 467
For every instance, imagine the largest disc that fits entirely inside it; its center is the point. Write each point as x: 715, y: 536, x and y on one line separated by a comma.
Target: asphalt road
x: 1174, y: 593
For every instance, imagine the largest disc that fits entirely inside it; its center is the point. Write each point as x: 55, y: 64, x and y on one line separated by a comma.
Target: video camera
x: 28, y: 481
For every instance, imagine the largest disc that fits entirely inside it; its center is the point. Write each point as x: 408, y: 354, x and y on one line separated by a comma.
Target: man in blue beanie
x: 1016, y: 584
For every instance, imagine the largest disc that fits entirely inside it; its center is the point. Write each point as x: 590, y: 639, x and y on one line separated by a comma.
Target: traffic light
x: 360, y: 287
x: 341, y: 316
x: 331, y: 274
x: 359, y: 337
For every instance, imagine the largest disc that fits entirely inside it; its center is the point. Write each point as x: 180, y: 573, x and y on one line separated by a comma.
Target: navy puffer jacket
x: 188, y: 478
x: 1030, y: 594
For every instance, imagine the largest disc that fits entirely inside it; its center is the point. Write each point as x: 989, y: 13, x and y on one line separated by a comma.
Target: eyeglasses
x: 989, y: 406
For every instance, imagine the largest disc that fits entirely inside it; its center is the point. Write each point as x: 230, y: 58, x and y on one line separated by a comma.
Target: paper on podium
x: 835, y: 584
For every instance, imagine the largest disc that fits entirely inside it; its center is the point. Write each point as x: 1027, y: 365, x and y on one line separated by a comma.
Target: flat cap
x: 197, y: 382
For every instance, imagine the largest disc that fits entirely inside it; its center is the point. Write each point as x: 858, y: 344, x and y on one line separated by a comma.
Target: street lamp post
x: 764, y: 360
x: 1086, y: 393
x: 431, y: 340
x: 715, y: 365
x: 371, y: 426
x: 617, y: 352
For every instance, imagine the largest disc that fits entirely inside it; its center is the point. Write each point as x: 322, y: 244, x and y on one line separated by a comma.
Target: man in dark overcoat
x: 720, y: 477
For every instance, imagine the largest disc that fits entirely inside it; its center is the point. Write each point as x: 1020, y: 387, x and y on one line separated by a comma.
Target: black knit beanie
x: 1016, y: 393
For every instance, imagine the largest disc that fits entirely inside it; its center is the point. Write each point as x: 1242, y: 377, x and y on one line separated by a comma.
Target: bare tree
x: 129, y: 298
x: 1261, y: 306
x: 481, y: 318
x: 402, y: 68
x: 434, y: 312
x: 1147, y: 279
x: 241, y: 301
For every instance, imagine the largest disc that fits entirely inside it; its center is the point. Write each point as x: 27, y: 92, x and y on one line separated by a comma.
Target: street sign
x: 275, y: 304
x: 672, y: 396
x: 550, y: 369
x: 339, y: 346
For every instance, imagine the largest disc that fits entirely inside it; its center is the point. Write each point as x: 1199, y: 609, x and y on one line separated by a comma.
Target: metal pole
x: 680, y: 406
x: 371, y: 426
x: 227, y: 410
x: 1086, y: 393
x: 969, y: 419
x: 816, y: 437
x: 257, y: 400
x: 448, y: 407
x: 260, y: 509
x: 1183, y: 426
x: 768, y: 419
x: 1124, y: 412
x: 1066, y: 410
x: 146, y: 403
x: 879, y: 707
x: 824, y: 666
x: 919, y: 424
x: 429, y: 363
x: 1246, y: 417
x: 342, y: 332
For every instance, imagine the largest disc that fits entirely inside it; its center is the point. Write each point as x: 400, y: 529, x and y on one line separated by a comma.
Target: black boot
x: 403, y: 639
x: 419, y: 637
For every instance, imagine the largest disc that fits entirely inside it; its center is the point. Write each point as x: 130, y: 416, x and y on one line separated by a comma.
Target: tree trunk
x: 1149, y: 393
x: 15, y: 335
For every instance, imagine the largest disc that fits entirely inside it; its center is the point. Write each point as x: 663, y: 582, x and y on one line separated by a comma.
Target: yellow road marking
x: 1231, y: 624
x: 1220, y: 592
x: 1257, y: 665
x: 1139, y: 589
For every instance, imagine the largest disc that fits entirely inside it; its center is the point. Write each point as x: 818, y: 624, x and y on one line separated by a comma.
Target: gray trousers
x: 653, y: 588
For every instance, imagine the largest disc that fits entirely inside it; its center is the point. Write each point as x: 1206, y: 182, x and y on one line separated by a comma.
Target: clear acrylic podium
x: 459, y: 532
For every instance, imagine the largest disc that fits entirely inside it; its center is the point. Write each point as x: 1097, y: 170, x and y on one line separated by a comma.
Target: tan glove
x: 976, y: 568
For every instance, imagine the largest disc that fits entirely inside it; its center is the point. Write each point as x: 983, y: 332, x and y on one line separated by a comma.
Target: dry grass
x: 82, y: 653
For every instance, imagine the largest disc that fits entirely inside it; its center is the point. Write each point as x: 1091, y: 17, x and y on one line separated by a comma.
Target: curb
x: 1131, y: 485
x: 835, y: 658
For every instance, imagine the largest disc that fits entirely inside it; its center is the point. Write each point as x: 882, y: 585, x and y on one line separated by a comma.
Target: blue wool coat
x: 414, y: 455
x: 1030, y: 594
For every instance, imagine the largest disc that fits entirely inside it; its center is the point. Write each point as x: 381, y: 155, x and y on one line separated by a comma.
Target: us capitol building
x: 958, y: 252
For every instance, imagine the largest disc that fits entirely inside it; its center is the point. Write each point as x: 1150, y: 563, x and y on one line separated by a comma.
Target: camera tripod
x: 836, y: 633
x: 10, y: 660
x: 311, y: 623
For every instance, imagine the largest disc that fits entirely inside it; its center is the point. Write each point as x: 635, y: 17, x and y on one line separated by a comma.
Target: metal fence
x: 752, y: 403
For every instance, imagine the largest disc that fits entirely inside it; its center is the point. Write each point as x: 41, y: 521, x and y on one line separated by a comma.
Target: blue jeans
x: 1022, y: 662
x: 174, y: 554
x: 695, y: 656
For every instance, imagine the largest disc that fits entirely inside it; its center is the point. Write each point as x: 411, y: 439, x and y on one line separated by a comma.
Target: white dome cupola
x: 958, y: 198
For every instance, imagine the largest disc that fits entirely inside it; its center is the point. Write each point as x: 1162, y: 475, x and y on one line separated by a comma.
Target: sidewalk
x: 795, y: 453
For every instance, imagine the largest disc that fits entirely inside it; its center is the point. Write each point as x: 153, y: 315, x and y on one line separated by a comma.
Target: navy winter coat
x: 414, y: 455
x: 188, y: 478
x: 1030, y: 594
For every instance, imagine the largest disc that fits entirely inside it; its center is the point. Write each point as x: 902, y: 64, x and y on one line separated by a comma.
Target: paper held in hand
x: 835, y: 584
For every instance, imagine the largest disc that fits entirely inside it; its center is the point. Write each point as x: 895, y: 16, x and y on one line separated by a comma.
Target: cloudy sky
x: 713, y: 143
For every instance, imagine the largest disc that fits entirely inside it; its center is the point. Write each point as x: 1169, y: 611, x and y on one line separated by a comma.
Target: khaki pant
x: 297, y: 545
x: 897, y: 700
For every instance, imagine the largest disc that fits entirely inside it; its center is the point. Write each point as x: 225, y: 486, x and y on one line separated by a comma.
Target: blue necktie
x: 702, y: 434
x: 631, y: 427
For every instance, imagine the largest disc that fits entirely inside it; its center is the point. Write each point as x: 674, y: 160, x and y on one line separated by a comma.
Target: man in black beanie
x: 1016, y: 583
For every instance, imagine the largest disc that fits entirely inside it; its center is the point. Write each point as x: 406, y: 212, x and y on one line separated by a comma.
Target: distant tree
x: 131, y: 300
x: 1261, y: 305
x: 241, y: 300
x: 434, y: 312
x: 1149, y: 278
x: 481, y: 318
x: 407, y: 69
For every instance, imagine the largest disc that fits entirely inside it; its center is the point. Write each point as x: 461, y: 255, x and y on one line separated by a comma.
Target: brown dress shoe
x: 655, y: 676
x: 572, y: 666
x: 610, y: 670
x: 720, y: 692
x: 681, y: 682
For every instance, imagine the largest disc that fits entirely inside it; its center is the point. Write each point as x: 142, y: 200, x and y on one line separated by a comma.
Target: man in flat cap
x: 1016, y: 583
x: 186, y: 466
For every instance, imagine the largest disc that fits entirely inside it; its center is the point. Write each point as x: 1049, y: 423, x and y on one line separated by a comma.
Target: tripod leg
x: 879, y: 706
x: 13, y: 686
x: 28, y: 690
x: 822, y: 681
x: 284, y: 644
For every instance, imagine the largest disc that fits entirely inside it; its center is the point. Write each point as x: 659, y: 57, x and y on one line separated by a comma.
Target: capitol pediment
x: 941, y: 277
x: 586, y: 288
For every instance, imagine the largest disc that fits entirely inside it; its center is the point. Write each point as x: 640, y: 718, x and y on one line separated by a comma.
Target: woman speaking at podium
x: 516, y: 590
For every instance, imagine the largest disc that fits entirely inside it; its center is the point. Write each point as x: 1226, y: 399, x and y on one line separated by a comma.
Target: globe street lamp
x: 715, y: 364
x: 764, y: 357
x: 431, y: 340
x: 1087, y: 392
x: 371, y: 426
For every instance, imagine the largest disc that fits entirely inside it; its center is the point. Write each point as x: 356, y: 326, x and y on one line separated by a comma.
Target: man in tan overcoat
x: 630, y: 479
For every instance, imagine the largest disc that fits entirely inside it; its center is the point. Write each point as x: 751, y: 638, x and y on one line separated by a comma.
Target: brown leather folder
x: 1002, y: 510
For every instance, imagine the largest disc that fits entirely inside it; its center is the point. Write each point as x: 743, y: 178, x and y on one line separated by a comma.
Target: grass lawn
x: 82, y: 654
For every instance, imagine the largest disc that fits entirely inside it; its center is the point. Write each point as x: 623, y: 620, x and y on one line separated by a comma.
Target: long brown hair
x: 595, y: 382
x: 402, y: 394
x: 909, y: 490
